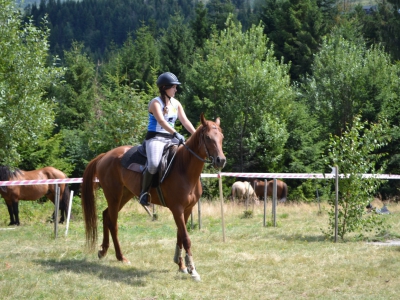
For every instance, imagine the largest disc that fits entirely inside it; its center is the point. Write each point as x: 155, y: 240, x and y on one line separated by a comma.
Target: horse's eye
x: 208, y: 137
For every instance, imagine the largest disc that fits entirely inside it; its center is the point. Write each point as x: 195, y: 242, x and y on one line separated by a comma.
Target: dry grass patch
x: 290, y: 261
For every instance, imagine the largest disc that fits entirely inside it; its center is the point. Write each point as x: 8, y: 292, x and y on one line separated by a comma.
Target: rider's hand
x: 180, y: 137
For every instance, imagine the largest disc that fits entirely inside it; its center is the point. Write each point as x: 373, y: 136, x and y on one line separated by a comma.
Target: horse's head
x: 213, y: 137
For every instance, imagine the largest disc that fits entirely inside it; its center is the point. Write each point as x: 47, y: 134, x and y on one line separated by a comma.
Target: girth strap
x: 161, y: 196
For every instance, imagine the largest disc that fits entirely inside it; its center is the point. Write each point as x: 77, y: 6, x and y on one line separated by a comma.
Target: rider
x: 163, y: 112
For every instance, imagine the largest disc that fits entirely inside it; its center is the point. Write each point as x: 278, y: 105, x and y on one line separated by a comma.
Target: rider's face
x: 171, y: 91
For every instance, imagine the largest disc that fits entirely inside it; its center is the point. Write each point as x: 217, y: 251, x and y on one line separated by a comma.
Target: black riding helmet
x: 167, y: 78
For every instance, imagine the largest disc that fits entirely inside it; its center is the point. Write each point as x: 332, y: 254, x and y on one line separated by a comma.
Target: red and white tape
x: 40, y: 181
x: 222, y: 174
x: 305, y: 175
x: 279, y: 175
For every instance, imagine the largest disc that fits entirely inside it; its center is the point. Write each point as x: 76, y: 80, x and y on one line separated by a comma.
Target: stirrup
x: 143, y: 200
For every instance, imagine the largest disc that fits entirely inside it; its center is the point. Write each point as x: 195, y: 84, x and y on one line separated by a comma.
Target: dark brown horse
x: 12, y: 194
x: 181, y: 190
x: 280, y: 185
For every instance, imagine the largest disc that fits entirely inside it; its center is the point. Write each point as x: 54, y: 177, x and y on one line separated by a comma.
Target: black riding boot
x: 146, y: 182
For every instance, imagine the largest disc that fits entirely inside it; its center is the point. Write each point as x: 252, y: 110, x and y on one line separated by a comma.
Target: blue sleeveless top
x: 170, y: 117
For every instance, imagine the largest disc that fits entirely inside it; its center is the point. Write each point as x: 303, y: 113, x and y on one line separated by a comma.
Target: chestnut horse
x: 181, y: 190
x: 280, y: 186
x: 13, y: 193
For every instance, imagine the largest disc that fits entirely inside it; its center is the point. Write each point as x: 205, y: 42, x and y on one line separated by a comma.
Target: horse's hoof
x: 184, y: 270
x: 126, y: 261
x: 195, y: 276
x: 99, y: 255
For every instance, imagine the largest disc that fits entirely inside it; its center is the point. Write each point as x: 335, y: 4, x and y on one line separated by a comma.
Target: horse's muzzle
x: 219, y: 162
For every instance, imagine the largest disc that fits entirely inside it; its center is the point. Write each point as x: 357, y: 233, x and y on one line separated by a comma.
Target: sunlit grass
x: 290, y: 261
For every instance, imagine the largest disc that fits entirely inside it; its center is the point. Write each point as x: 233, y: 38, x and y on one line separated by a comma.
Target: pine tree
x: 176, y: 48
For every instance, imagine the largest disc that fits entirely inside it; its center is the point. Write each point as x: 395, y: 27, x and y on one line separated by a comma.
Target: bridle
x: 210, y: 158
x: 209, y: 161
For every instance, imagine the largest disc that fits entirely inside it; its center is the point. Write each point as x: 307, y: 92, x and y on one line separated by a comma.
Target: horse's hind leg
x: 106, y: 236
x: 110, y: 225
x: 63, y: 212
x: 62, y: 217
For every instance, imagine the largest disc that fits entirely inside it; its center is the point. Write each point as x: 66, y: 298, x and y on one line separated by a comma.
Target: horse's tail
x: 65, y: 199
x: 284, y: 192
x: 88, y: 202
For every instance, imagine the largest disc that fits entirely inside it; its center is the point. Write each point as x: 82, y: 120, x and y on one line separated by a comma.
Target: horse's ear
x: 217, y: 121
x: 203, y: 120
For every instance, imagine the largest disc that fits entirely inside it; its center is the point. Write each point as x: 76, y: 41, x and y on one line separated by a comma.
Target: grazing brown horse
x: 12, y: 194
x: 181, y: 190
x: 280, y: 186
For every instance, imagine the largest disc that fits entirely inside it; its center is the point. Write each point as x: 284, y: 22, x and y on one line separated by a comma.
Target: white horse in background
x: 241, y: 190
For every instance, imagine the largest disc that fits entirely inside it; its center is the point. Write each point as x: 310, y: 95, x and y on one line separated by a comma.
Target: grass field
x: 291, y: 261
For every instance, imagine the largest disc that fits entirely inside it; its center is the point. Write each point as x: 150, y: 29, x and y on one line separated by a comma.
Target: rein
x: 210, y: 158
x: 209, y: 161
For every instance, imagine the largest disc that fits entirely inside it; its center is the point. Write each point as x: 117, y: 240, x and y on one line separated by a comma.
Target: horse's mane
x: 184, y: 156
x: 6, y: 173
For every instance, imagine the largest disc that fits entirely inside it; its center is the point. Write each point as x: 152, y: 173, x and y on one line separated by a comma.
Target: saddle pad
x: 133, y: 160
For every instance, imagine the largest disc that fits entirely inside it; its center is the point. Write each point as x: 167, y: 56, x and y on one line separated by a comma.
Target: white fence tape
x: 226, y: 174
x: 305, y: 175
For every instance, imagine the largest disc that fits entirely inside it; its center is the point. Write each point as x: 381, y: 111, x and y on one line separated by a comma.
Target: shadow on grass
x: 131, y: 276
x: 303, y: 238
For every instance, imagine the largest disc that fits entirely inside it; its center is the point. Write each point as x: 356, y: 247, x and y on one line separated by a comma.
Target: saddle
x: 135, y: 159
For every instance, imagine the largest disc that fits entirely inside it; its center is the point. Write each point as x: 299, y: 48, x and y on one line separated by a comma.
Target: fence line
x: 219, y: 176
x: 222, y: 174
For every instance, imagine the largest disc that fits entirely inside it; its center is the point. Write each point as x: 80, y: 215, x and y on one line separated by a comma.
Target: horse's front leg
x: 178, y: 258
x: 14, y: 214
x: 11, y: 213
x: 183, y: 239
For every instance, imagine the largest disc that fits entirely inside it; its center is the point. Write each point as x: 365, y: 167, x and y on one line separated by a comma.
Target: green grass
x: 291, y: 261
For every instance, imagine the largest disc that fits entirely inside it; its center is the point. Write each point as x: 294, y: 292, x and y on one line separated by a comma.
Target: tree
x: 119, y: 118
x: 219, y: 11
x: 236, y: 77
x: 147, y: 59
x: 355, y: 154
x: 382, y: 26
x: 75, y: 96
x: 136, y: 61
x: 303, y: 150
x: 349, y: 79
x: 295, y: 28
x: 200, y: 27
x: 26, y: 113
x: 176, y: 48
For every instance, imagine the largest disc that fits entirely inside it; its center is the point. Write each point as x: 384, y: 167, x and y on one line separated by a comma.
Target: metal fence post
x: 274, y: 196
x: 265, y: 202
